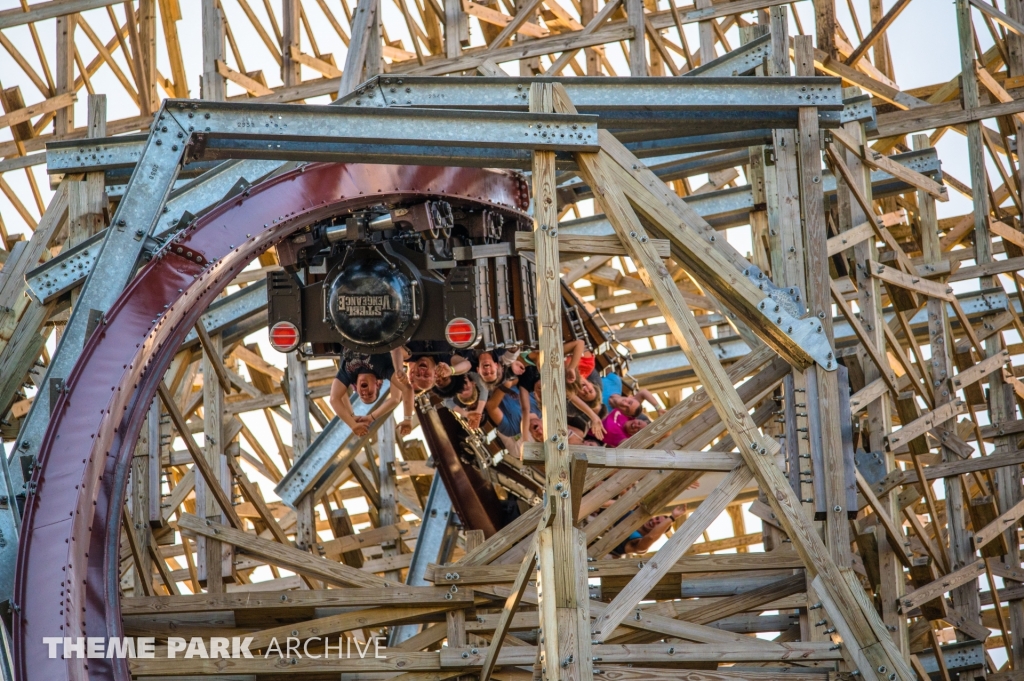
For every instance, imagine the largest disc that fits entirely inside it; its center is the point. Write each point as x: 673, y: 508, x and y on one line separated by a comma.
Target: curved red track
x: 67, y: 574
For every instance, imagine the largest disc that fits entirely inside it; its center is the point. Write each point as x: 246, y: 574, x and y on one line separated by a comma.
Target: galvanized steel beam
x: 602, y: 94
x: 436, y: 516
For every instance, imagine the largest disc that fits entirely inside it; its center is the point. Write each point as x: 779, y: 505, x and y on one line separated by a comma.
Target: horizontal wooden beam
x: 647, y: 459
x: 282, y: 556
x: 294, y: 600
x: 901, y: 123
x: 46, y: 106
x: 456, y: 658
x: 468, y: 575
x: 580, y: 244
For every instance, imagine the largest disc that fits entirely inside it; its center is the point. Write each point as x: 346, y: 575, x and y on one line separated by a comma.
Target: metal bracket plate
x: 788, y: 298
x: 807, y: 333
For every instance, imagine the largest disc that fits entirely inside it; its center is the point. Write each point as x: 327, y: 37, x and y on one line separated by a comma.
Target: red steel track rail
x: 67, y: 577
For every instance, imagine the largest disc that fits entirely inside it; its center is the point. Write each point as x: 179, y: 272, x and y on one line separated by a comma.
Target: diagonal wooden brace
x: 773, y: 313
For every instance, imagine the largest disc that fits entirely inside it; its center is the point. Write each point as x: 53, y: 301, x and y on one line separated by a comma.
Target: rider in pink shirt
x: 618, y: 427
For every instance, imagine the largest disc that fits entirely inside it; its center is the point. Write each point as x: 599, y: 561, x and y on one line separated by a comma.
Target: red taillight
x: 284, y: 336
x: 460, y: 332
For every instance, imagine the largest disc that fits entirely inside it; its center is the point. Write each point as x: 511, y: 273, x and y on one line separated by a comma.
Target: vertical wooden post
x: 86, y: 198
x: 638, y: 43
x: 565, y: 620
x: 374, y: 64
x: 387, y: 487
x: 64, y: 121
x: 782, y: 193
x: 528, y: 66
x: 764, y: 217
x: 149, y: 100
x: 212, y: 83
x: 291, y: 70
x: 756, y: 177
x: 364, y: 47
x: 298, y: 403
x: 1015, y: 66
x: 87, y: 193
x: 819, y: 303
x: 170, y: 15
x: 880, y: 51
x: 96, y: 126
x: 456, y: 623
x: 456, y: 28
x: 656, y: 65
x: 879, y: 415
x: 212, y: 555
x: 975, y: 144
x: 786, y: 242
x: 591, y: 57
x: 825, y: 23
x: 941, y: 369
x: 1004, y: 477
x: 706, y: 32
x: 965, y: 598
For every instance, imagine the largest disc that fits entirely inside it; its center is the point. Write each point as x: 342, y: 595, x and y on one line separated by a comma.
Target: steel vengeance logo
x: 365, y: 306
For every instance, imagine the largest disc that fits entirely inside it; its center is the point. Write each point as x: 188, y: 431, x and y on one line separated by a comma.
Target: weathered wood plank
x: 655, y: 459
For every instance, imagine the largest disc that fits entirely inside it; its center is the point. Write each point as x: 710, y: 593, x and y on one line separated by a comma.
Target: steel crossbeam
x: 602, y: 94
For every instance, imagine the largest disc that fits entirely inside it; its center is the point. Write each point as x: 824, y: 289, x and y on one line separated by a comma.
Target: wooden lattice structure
x: 903, y: 369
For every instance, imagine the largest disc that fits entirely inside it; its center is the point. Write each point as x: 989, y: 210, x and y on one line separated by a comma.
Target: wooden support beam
x: 985, y: 367
x: 942, y: 585
x: 923, y: 424
x: 589, y: 245
x: 643, y: 459
x: 909, y: 281
x: 995, y: 528
x: 638, y: 45
x: 880, y: 230
x: 748, y: 600
x: 144, y: 577
x: 509, y: 609
x: 652, y: 572
x: 346, y: 621
x: 363, y: 20
x: 282, y: 556
x: 27, y: 113
x: 893, y: 533
x: 880, y: 361
x: 565, y: 618
x: 205, y: 470
x: 212, y: 84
